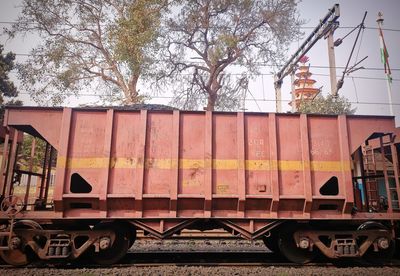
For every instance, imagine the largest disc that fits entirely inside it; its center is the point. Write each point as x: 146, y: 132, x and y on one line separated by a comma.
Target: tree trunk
x: 132, y: 95
x: 211, y: 102
x: 212, y: 92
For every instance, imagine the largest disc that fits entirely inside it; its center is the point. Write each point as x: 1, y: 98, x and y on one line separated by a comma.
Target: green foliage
x: 100, y: 45
x: 326, y: 105
x: 24, y: 156
x: 134, y: 32
x: 7, y: 87
x: 206, y: 38
x: 188, y: 46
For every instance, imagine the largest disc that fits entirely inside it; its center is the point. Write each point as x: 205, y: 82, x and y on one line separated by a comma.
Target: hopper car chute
x: 92, y: 177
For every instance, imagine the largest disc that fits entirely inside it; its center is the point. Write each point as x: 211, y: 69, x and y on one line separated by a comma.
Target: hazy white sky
x: 363, y: 87
x: 366, y: 89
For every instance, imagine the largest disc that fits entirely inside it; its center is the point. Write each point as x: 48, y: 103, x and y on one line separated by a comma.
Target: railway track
x: 223, y: 258
x: 194, y: 234
x: 205, y: 259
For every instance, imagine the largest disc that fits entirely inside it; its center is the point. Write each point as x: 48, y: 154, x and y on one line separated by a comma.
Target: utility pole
x: 332, y: 62
x: 294, y: 107
x: 327, y: 24
x: 384, y: 57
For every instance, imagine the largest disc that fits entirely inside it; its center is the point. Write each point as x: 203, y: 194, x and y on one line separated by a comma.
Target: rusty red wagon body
x: 163, y: 171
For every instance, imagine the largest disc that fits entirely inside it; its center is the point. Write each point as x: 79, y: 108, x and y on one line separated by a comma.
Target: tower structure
x: 304, y: 85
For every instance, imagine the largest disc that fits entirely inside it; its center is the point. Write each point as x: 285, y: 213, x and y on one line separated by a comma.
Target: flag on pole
x: 385, y: 55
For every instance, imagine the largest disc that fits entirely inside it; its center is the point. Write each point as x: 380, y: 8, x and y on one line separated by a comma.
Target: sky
x: 366, y: 89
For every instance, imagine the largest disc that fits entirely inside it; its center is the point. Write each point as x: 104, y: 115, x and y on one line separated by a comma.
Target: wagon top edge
x: 167, y: 109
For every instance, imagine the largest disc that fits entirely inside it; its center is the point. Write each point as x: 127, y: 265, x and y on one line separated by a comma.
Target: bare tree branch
x: 218, y: 34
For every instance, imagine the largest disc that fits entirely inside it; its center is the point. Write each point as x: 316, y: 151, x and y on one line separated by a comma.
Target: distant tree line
x: 8, y: 91
x: 326, y: 105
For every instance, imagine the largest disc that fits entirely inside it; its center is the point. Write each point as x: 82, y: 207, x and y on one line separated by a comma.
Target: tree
x: 326, y: 105
x: 208, y: 38
x: 7, y: 87
x: 85, y: 40
x: 24, y: 156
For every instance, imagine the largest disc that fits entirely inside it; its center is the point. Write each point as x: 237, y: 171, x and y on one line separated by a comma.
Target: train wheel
x: 289, y: 249
x: 119, y: 247
x: 271, y: 242
x: 132, y: 236
x: 383, y: 255
x: 19, y: 256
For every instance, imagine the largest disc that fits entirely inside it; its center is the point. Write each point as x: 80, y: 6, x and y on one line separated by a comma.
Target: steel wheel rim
x: 17, y: 257
x: 118, y: 249
x: 289, y: 249
x: 382, y: 255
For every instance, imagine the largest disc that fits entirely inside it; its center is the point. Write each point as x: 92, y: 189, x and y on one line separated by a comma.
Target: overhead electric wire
x: 271, y: 74
x: 359, y: 46
x: 263, y: 64
x: 247, y: 99
x: 315, y: 74
x: 355, y: 88
x: 251, y: 94
x: 341, y: 80
x: 257, y: 63
x: 302, y: 27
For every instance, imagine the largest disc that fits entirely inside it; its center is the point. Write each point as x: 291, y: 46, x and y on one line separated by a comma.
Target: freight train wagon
x: 305, y: 184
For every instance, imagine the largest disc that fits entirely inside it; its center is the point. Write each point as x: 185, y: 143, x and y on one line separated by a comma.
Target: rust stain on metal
x: 222, y: 188
x: 191, y: 183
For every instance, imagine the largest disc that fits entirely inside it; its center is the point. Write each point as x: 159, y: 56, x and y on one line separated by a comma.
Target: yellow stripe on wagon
x: 187, y: 164
x: 82, y: 163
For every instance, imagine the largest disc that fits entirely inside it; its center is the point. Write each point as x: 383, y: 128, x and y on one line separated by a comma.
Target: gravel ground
x: 198, y: 270
x: 202, y: 245
x: 179, y: 245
